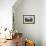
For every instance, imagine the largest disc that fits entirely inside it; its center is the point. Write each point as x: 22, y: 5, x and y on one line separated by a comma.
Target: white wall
x: 6, y: 13
x: 31, y: 31
x: 43, y: 22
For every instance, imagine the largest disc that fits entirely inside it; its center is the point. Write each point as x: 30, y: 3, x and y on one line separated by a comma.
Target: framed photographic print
x: 28, y: 19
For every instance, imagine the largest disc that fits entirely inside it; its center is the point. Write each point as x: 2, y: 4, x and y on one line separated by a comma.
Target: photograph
x: 28, y: 19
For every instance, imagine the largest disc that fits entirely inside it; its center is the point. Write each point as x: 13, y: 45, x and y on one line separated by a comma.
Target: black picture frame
x: 28, y: 19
